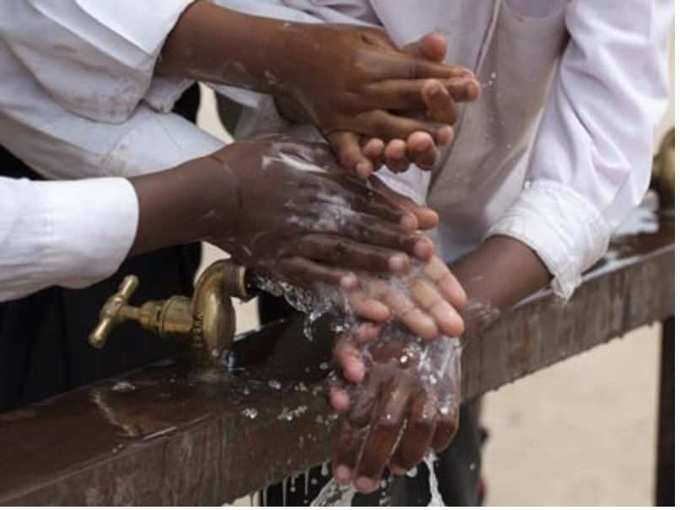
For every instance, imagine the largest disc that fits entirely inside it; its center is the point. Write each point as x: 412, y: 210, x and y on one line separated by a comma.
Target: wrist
x: 195, y: 201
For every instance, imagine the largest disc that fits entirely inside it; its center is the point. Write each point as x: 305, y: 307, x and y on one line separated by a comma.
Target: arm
x: 356, y: 83
x: 592, y: 158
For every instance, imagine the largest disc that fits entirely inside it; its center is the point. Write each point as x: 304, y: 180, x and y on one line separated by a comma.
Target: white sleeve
x: 591, y: 162
x: 95, y: 58
x: 71, y: 234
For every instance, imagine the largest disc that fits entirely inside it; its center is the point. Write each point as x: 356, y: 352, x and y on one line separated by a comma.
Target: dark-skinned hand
x: 352, y: 82
x: 301, y: 219
x: 406, y: 404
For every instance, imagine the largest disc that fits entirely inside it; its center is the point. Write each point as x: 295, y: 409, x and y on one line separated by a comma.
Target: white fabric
x: 558, y: 148
x: 63, y: 233
x: 78, y: 98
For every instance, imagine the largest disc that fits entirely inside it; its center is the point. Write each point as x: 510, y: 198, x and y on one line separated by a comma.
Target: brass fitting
x: 207, y: 320
x: 663, y: 174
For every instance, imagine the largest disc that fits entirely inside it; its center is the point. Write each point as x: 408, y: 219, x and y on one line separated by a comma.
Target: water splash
x: 436, y: 498
x: 334, y: 494
x: 249, y: 412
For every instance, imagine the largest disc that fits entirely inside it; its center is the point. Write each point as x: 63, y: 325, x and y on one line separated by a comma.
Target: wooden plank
x: 172, y: 439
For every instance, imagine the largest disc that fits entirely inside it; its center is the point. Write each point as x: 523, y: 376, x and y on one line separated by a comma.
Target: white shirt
x: 78, y: 98
x: 69, y: 233
x: 558, y: 148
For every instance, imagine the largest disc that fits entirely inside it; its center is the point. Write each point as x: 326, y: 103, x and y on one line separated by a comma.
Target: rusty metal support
x: 168, y: 437
x: 665, y: 455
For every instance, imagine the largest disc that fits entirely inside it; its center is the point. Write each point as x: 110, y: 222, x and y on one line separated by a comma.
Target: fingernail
x: 409, y: 222
x: 364, y: 169
x: 366, y: 485
x: 398, y: 263
x: 423, y: 250
x: 342, y: 474
x: 355, y: 371
x: 472, y: 89
x: 349, y: 281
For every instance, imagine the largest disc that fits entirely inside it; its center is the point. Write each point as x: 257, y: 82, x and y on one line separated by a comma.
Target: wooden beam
x: 164, y: 437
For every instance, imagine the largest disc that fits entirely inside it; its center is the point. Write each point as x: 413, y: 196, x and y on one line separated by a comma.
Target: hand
x: 419, y: 148
x: 361, y: 89
x: 407, y: 404
x: 300, y: 219
x: 426, y: 299
x: 352, y: 82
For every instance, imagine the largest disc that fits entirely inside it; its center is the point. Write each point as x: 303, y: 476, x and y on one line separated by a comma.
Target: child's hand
x: 426, y: 300
x: 407, y: 404
x: 420, y: 148
x: 373, y: 102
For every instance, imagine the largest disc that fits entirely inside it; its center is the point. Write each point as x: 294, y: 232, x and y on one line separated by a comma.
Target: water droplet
x: 123, y: 387
x: 249, y: 412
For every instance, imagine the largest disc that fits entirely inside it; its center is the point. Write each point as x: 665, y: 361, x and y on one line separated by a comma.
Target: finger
x: 439, y: 102
x: 417, y: 436
x: 428, y: 298
x: 427, y: 218
x: 347, y: 150
x: 432, y: 46
x: 336, y: 251
x: 368, y: 308
x: 406, y: 311
x: 389, y: 126
x: 463, y: 89
x: 447, y: 426
x: 395, y: 156
x: 348, y: 443
x: 338, y: 398
x: 373, y: 149
x: 348, y: 357
x: 446, y: 282
x: 414, y: 96
x: 305, y: 272
x: 363, y: 198
x: 421, y: 149
x: 367, y: 229
x: 363, y: 398
x: 382, y: 438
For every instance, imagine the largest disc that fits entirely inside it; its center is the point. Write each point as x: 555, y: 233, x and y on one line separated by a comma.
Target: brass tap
x: 207, y: 320
x: 663, y: 174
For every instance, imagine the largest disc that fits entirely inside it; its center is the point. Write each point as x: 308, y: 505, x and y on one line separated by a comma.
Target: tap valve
x: 207, y: 320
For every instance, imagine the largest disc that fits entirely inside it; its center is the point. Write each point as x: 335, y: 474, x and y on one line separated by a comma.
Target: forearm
x: 499, y: 273
x: 184, y: 204
x: 220, y: 45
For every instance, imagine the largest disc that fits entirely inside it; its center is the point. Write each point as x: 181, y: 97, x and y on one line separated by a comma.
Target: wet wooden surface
x: 163, y: 435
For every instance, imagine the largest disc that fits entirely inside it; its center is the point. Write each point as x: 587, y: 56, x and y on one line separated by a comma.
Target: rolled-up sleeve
x: 112, y: 47
x: 71, y: 234
x: 592, y: 157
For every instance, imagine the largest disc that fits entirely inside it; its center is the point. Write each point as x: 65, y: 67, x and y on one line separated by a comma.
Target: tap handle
x: 110, y: 314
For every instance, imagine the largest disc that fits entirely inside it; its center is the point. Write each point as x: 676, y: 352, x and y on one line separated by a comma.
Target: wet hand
x: 406, y: 404
x: 299, y: 218
x: 359, y: 89
x: 425, y: 298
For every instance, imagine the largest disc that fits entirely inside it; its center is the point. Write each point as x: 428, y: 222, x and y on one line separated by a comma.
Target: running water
x: 437, y: 363
x: 435, y: 496
x: 334, y: 494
